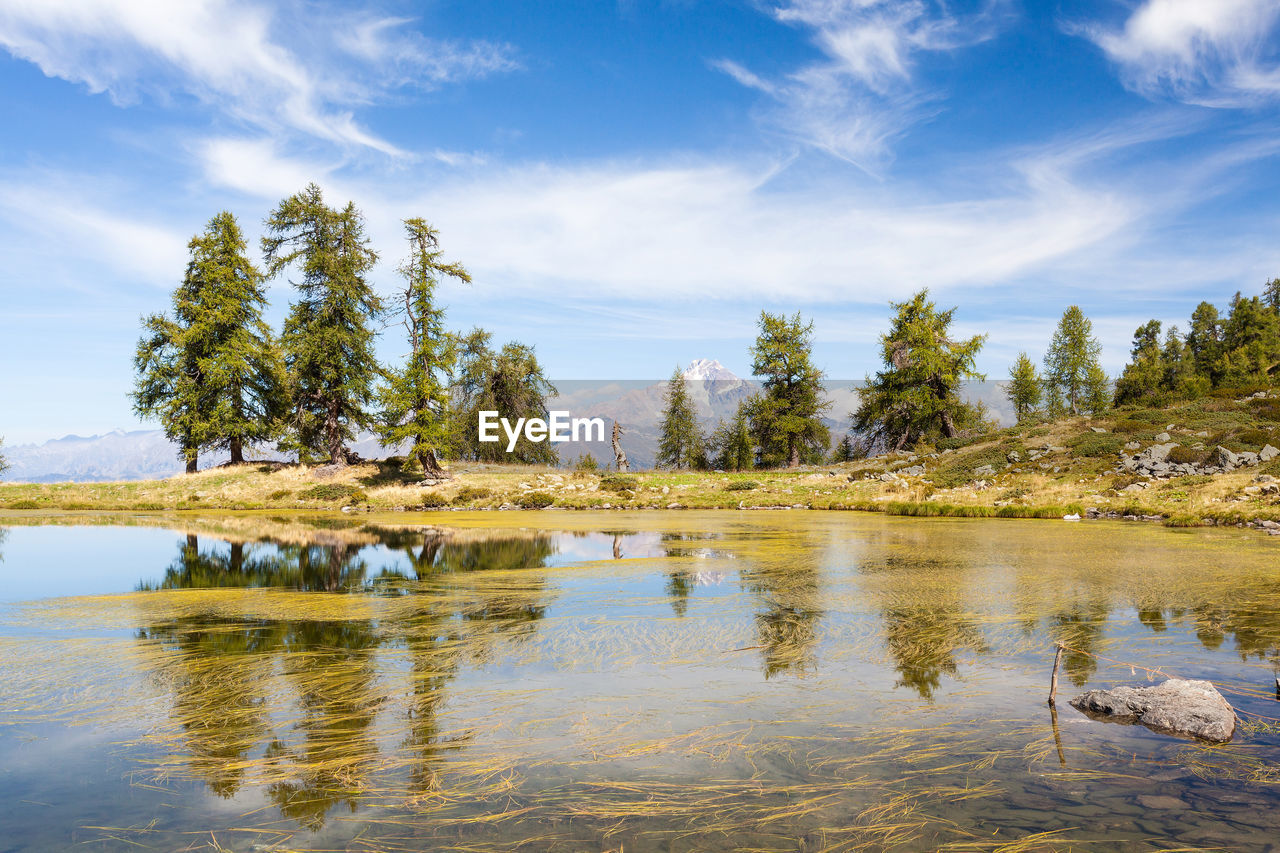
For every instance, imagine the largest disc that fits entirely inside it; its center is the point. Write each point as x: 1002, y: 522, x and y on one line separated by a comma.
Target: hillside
x: 1214, y: 461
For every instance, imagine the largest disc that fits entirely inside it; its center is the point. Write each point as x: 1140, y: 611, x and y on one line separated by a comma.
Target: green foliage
x: 961, y: 468
x: 537, y: 500
x: 1093, y: 444
x: 467, y: 494
x: 510, y: 382
x: 586, y: 462
x: 847, y: 450
x: 1186, y: 456
x: 679, y: 439
x: 211, y: 373
x: 279, y: 494
x: 1071, y: 365
x: 786, y: 417
x: 4, y: 463
x: 731, y: 443
x: 328, y: 335
x: 415, y: 399
x: 619, y: 482
x: 1024, y: 388
x: 917, y: 395
x: 1255, y: 438
x: 741, y: 486
x: 334, y: 492
x: 432, y: 500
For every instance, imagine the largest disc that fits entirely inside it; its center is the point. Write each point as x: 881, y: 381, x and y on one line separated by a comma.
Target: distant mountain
x: 636, y: 405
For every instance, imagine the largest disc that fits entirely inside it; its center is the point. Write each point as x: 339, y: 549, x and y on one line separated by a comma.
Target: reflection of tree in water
x: 1080, y: 627
x: 923, y: 640
x: 788, y: 616
x: 1252, y: 627
x: 679, y: 588
x: 332, y: 667
x: 214, y: 671
x: 4, y: 534
x: 218, y: 670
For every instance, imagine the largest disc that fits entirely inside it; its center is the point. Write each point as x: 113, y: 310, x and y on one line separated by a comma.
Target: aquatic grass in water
x: 777, y: 682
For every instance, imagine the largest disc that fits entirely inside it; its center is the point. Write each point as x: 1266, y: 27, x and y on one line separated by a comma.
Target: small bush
x: 959, y: 442
x: 1255, y: 438
x: 279, y: 495
x: 741, y: 486
x: 467, y: 494
x: 1093, y: 444
x: 586, y: 462
x: 432, y: 500
x: 23, y: 505
x: 1186, y: 456
x: 537, y: 500
x: 619, y: 482
x: 1131, y: 426
x: 1151, y: 416
x: 334, y: 492
x: 1266, y: 408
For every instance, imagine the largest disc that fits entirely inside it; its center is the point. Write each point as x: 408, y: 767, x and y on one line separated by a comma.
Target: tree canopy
x: 1024, y: 388
x: 1071, y: 366
x: 211, y: 373
x: 329, y: 334
x: 510, y: 382
x: 917, y: 394
x: 679, y: 438
x: 786, y: 417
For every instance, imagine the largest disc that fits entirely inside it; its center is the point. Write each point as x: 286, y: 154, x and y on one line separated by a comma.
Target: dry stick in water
x: 1053, y: 683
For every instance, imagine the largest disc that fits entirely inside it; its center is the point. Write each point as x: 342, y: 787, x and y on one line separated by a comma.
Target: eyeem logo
x: 559, y: 428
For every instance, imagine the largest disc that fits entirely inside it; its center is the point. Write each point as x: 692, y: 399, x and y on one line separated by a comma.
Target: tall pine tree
x: 1024, y: 388
x: 1072, y: 362
x: 787, y: 415
x: 212, y: 373
x: 679, y: 439
x: 415, y: 400
x: 510, y: 382
x: 329, y: 333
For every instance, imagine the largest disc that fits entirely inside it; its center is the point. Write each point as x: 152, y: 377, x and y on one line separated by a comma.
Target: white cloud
x: 1210, y: 52
x: 855, y: 101
x: 229, y: 53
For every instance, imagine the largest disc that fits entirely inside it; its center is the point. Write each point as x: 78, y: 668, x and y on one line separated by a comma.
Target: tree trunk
x: 334, y: 435
x: 948, y: 425
x: 430, y: 464
x: 193, y: 462
x: 619, y: 455
x: 793, y: 455
x: 237, y: 557
x: 237, y: 451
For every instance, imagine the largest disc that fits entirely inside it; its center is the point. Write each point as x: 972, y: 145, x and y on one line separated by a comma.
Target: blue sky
x: 630, y: 183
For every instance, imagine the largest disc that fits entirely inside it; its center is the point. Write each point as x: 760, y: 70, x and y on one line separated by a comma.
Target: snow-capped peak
x: 704, y: 369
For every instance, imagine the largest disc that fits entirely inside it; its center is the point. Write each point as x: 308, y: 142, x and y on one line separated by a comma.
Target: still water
x: 657, y: 681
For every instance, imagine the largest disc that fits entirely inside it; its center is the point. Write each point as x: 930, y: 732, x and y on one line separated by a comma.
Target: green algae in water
x: 697, y: 681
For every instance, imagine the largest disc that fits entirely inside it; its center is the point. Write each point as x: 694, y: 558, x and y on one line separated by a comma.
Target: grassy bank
x: 1040, y: 471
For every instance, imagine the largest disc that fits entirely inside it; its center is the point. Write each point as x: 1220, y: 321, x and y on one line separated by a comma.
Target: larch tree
x: 917, y: 395
x: 416, y: 399
x: 329, y: 334
x: 510, y: 382
x: 212, y: 373
x: 1024, y: 388
x: 1070, y: 361
x: 1143, y: 378
x: 731, y: 443
x: 4, y: 463
x: 679, y: 439
x: 786, y: 416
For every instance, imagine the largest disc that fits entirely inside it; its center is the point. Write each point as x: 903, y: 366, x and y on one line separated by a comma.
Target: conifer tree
x: 1068, y: 363
x: 845, y: 451
x: 1250, y: 351
x: 786, y: 416
x: 415, y: 399
x: 1024, y: 388
x: 731, y: 443
x: 4, y: 463
x: 917, y: 395
x: 1097, y: 390
x: 1143, y: 378
x: 1204, y: 341
x: 510, y: 382
x: 1271, y: 294
x: 212, y: 373
x: 679, y: 439
x: 328, y: 335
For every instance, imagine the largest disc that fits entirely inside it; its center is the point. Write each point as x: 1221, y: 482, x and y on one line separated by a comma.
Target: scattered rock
x: 1178, y: 707
x: 913, y: 471
x: 1225, y: 458
x: 666, y: 489
x: 1268, y: 453
x: 1097, y: 429
x: 1161, y: 801
x: 1163, y: 437
x: 1132, y: 445
x: 1015, y: 457
x: 984, y: 471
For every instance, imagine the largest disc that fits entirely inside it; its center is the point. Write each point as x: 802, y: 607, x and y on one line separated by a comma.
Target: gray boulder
x: 1225, y: 458
x: 1176, y: 707
x: 1268, y: 453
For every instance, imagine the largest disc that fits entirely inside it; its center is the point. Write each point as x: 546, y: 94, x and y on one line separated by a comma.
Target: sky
x: 631, y: 183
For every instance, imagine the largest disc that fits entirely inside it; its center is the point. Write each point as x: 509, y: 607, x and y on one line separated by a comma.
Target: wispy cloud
x: 1212, y: 52
x: 304, y: 73
x: 864, y: 92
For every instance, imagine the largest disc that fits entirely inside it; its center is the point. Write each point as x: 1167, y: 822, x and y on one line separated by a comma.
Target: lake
x: 632, y: 682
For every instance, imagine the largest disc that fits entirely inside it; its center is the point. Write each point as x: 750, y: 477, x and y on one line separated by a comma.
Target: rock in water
x: 1176, y: 707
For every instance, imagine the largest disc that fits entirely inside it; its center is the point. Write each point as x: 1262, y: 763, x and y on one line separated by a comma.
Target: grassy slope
x: 1082, y: 475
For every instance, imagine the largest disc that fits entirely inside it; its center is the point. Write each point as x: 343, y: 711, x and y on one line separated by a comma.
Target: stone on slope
x: 1177, y: 707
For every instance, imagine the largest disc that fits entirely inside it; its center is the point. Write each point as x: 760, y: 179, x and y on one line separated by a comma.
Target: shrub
x: 1186, y: 456
x: 432, y: 500
x: 586, y: 462
x: 619, y: 482
x: 959, y: 442
x: 1266, y: 408
x: 279, y: 495
x: 1130, y: 426
x: 741, y: 486
x: 1255, y: 438
x: 1096, y: 444
x: 467, y: 494
x: 1151, y: 416
x: 537, y: 500
x: 23, y: 505
x: 334, y: 492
